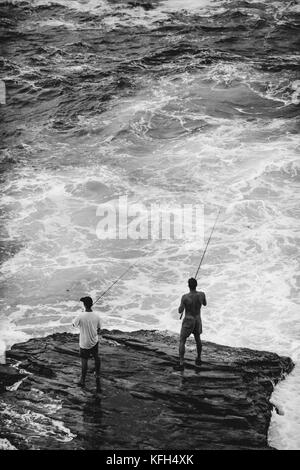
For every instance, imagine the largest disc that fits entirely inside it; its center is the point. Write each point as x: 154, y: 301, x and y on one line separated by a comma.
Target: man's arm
x: 204, y: 300
x: 76, y: 322
x: 98, y: 327
x: 181, y: 306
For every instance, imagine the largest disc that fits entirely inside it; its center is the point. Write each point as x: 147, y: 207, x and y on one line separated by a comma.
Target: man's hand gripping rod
x: 208, y: 241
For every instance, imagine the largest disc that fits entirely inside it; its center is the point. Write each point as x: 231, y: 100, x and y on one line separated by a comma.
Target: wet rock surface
x: 144, y: 404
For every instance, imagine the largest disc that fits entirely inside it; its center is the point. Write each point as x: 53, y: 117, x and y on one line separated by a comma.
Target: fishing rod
x: 115, y: 282
x: 208, y: 241
x: 132, y: 265
x: 212, y: 231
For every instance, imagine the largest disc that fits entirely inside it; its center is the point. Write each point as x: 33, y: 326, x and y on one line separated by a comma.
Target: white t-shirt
x: 88, y: 323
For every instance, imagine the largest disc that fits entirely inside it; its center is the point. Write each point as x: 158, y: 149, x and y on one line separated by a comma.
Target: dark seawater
x: 166, y: 102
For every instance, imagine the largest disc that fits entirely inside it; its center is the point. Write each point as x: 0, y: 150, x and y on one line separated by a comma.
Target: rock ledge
x: 144, y: 403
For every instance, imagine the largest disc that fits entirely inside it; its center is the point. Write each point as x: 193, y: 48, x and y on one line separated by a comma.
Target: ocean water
x: 186, y: 102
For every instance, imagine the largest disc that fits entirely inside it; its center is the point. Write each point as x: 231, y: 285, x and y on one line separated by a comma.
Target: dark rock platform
x: 144, y: 404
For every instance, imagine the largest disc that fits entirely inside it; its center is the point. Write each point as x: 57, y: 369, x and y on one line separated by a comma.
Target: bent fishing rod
x: 115, y: 282
x: 208, y: 241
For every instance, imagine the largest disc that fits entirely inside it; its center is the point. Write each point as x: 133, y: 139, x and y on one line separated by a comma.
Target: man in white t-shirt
x: 89, y: 325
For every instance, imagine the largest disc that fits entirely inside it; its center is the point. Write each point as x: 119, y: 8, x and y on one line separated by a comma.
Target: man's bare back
x: 192, y: 303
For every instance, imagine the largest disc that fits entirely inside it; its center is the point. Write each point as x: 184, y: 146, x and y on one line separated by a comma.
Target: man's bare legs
x: 180, y: 366
x: 97, y: 371
x: 199, y: 348
x: 181, y: 350
x: 84, y: 366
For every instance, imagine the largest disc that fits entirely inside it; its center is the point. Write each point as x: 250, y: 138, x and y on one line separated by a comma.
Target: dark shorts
x: 87, y: 353
x: 191, y: 325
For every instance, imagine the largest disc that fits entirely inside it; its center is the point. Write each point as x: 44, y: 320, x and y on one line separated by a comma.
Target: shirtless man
x: 192, y: 323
